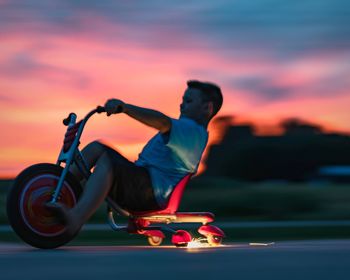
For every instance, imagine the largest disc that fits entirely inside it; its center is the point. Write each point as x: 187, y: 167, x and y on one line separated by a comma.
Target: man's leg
x: 91, y: 153
x: 95, y: 191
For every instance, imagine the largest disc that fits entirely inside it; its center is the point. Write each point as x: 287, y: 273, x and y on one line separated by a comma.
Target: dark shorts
x: 132, y: 187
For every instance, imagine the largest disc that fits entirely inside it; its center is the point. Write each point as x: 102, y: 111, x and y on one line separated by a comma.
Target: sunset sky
x: 272, y: 59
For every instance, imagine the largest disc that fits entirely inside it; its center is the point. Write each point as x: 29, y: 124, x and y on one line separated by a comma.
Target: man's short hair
x: 210, y: 93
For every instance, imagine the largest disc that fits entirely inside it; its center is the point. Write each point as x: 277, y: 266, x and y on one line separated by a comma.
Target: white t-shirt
x: 171, y: 156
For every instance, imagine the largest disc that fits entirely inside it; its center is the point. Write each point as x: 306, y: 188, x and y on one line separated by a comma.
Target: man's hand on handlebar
x: 114, y: 106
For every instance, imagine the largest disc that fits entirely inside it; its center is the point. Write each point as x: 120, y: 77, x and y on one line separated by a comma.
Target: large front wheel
x: 26, y: 200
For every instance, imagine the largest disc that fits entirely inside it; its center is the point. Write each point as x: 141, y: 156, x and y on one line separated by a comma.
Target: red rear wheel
x: 26, y: 209
x: 181, y: 238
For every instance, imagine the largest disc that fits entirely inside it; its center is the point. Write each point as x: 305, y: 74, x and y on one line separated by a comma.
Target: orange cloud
x: 40, y: 83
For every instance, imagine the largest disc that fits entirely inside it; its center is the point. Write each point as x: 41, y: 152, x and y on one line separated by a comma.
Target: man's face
x: 192, y: 105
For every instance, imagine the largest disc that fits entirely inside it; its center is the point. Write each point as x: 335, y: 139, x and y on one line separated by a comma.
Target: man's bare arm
x: 146, y: 116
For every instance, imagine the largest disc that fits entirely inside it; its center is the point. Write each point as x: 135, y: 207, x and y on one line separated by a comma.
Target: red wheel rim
x: 35, y: 194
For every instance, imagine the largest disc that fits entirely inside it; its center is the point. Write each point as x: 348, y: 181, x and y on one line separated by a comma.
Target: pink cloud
x: 77, y: 71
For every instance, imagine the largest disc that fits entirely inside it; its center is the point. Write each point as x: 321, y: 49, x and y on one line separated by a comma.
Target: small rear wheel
x: 154, y: 240
x: 181, y: 238
x: 26, y: 209
x: 214, y: 240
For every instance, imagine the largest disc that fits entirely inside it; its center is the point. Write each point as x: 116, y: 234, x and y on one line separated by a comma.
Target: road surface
x: 324, y: 259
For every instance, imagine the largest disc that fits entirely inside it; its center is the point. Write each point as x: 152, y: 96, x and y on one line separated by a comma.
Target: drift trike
x: 46, y: 182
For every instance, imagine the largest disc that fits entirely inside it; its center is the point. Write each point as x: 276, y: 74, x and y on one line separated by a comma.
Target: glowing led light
x: 195, y: 244
x: 199, y: 243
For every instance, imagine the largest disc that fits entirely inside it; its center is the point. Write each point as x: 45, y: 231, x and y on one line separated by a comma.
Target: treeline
x: 296, y: 155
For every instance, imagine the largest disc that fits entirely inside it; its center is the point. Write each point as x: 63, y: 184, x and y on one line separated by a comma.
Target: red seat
x: 176, y: 195
x: 174, y: 200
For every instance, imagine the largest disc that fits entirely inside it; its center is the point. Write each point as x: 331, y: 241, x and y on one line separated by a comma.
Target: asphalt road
x: 326, y: 259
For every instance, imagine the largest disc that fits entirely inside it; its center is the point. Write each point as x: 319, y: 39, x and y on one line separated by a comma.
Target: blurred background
x: 278, y: 150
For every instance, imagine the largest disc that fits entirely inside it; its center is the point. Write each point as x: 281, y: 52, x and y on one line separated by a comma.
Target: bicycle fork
x: 70, y: 154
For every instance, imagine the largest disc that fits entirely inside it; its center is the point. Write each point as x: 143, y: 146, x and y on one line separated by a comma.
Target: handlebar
x: 99, y: 109
x: 75, y: 129
x: 72, y: 116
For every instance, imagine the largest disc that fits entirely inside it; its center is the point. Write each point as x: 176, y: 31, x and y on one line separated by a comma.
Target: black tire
x: 26, y: 210
x: 181, y: 245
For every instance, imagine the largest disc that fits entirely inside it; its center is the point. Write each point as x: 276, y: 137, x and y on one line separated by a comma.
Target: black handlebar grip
x: 67, y: 120
x: 100, y: 109
x: 117, y: 111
